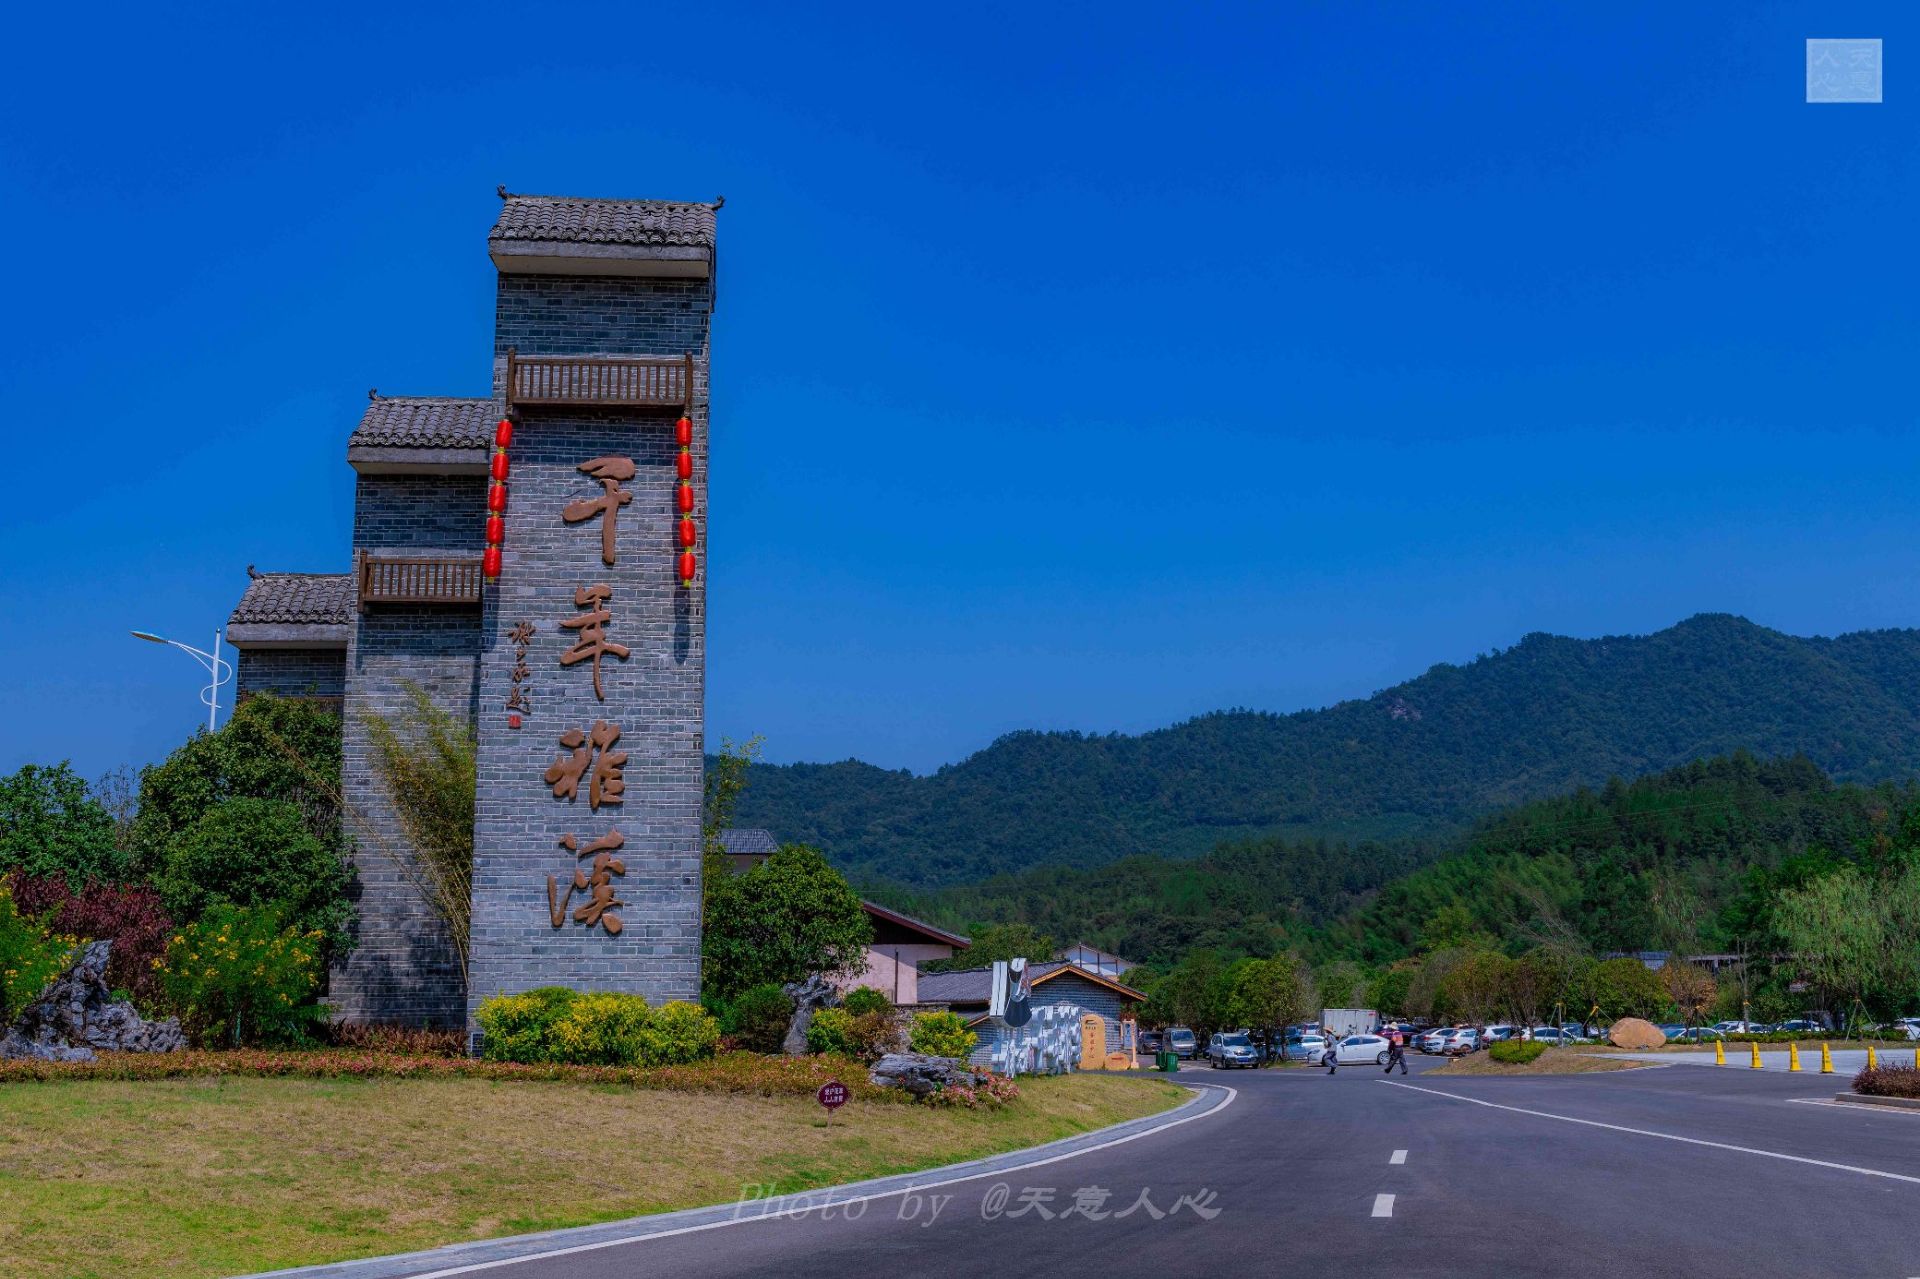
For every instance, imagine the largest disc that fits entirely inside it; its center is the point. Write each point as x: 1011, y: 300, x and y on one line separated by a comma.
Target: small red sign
x: 832, y: 1095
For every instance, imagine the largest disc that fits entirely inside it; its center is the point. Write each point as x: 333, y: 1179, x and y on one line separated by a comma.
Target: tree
x: 1853, y: 935
x: 997, y: 942
x: 1690, y: 987
x: 50, y: 824
x: 1478, y: 985
x: 257, y: 853
x: 1342, y: 983
x: 724, y: 783
x: 787, y: 919
x: 278, y: 748
x: 1624, y: 987
x: 1265, y: 993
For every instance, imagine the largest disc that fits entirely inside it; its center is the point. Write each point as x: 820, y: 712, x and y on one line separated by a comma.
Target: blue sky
x: 1075, y: 367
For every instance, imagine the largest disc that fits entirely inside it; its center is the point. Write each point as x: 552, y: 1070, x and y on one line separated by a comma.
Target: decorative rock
x: 77, y: 1016
x: 1634, y: 1033
x: 808, y: 997
x: 922, y: 1075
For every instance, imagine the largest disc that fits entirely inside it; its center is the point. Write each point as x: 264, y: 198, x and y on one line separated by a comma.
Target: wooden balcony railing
x: 664, y: 381
x: 440, y: 580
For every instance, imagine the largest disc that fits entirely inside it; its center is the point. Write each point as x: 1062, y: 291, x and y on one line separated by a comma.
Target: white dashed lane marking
x: 1399, y: 1157
x: 1383, y: 1205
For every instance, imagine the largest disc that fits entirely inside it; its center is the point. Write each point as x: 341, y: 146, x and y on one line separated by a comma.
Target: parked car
x: 1308, y: 1047
x: 1361, y: 1050
x: 1671, y: 1028
x: 1462, y: 1040
x: 1497, y: 1033
x: 1225, y: 1051
x: 1434, y: 1039
x: 1150, y: 1041
x: 1905, y: 1026
x: 1800, y: 1026
x: 1181, y: 1043
x: 1696, y: 1035
x: 1553, y: 1036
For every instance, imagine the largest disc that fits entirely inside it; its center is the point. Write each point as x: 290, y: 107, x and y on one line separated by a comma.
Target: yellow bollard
x: 1826, y: 1060
x: 1916, y: 1056
x: 1720, y: 1052
x: 1793, y: 1056
x: 1755, y: 1045
x: 1873, y: 1062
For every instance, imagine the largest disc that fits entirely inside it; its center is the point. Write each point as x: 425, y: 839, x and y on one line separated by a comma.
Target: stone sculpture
x: 77, y: 1016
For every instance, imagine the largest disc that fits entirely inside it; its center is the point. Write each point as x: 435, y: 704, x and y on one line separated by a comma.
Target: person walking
x: 1333, y: 1052
x: 1396, y: 1051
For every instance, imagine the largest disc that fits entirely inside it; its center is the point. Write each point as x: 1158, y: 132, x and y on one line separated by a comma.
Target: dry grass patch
x: 206, y: 1177
x: 1554, y: 1061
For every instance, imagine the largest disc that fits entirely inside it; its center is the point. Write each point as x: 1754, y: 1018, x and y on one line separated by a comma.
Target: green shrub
x: 515, y: 1027
x: 239, y: 976
x: 862, y: 1000
x: 758, y: 1019
x: 51, y: 824
x: 30, y: 956
x: 553, y: 1025
x: 257, y: 852
x: 942, y: 1035
x: 1517, y: 1052
x: 868, y: 1036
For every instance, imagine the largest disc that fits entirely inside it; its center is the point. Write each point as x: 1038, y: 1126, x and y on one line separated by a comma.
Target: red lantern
x: 499, y: 468
x: 686, y: 499
x: 686, y: 567
x: 490, y: 563
x: 683, y: 432
x: 497, y: 498
x: 503, y: 433
x: 687, y: 533
x: 496, y: 530
x: 685, y: 465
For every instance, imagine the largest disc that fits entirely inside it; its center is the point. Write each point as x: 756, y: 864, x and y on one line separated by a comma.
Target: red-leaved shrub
x: 128, y: 915
x: 1888, y: 1081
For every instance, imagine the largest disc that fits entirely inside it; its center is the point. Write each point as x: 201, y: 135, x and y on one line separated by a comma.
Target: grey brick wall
x: 402, y: 967
x: 292, y: 672
x: 656, y: 696
x: 398, y: 513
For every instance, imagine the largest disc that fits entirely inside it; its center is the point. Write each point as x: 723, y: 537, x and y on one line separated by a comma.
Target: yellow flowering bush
x: 594, y: 1028
x: 239, y: 976
x: 31, y: 955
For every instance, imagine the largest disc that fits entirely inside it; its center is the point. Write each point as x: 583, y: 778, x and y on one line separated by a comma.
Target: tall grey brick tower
x: 592, y: 676
x: 581, y: 666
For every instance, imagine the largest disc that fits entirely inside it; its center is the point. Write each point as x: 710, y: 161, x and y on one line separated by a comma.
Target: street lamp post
x: 215, y: 666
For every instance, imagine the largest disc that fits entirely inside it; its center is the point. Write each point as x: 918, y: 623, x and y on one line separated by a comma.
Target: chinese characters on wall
x: 588, y: 752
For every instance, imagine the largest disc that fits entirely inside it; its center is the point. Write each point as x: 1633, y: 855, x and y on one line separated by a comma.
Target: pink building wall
x: 891, y: 969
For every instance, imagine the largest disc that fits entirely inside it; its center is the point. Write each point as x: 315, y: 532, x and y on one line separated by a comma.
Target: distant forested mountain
x: 1685, y: 859
x: 1417, y: 761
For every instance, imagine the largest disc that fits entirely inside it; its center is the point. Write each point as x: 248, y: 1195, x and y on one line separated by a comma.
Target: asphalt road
x: 1674, y: 1171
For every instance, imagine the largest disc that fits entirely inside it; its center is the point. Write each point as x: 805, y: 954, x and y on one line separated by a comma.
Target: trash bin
x: 1169, y: 1061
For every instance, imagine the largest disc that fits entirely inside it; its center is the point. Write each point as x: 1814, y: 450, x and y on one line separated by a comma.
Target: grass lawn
x: 208, y: 1177
x: 1554, y: 1061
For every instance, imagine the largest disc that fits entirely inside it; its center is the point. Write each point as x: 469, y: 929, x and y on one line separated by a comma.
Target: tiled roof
x: 425, y: 422
x: 747, y: 842
x: 932, y: 932
x: 568, y: 220
x: 296, y: 599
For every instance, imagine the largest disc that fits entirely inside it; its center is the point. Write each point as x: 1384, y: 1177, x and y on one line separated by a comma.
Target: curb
x: 1862, y: 1099
x: 488, y: 1254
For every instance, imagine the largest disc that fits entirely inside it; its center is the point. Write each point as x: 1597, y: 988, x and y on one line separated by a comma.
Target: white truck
x: 1350, y: 1021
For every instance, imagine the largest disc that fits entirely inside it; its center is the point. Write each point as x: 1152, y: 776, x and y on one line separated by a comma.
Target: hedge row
x: 733, y: 1074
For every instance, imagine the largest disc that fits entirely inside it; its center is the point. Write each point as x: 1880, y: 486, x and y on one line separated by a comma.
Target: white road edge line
x: 1399, y: 1157
x: 1383, y: 1205
x: 1232, y: 1095
x: 1664, y: 1136
x: 1857, y: 1107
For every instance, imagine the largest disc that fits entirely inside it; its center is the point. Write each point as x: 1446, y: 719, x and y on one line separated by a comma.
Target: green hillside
x: 1680, y: 860
x: 1417, y: 761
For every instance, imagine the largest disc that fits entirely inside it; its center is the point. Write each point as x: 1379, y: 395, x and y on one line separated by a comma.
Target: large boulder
x: 922, y: 1075
x: 808, y: 997
x: 78, y: 1016
x: 1634, y: 1033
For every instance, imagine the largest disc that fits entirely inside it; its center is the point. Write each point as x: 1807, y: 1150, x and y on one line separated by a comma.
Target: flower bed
x: 744, y: 1074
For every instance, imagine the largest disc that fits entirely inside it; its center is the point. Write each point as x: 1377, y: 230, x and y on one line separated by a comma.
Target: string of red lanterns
x: 497, y: 500
x: 683, y: 434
